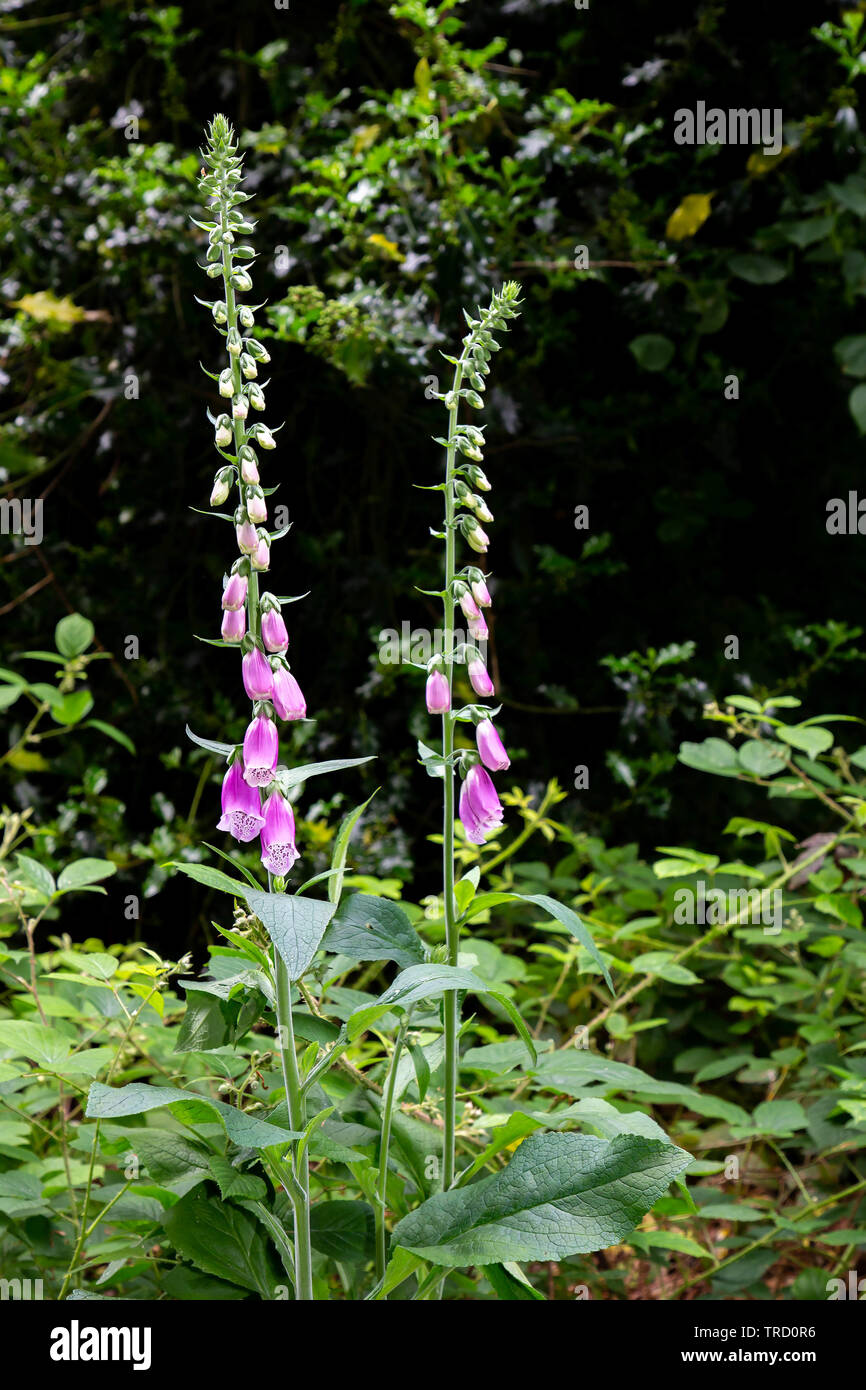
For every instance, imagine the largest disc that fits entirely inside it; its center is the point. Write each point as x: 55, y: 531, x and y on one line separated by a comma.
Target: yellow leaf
x: 388, y: 248
x: 691, y: 214
x: 25, y: 761
x: 46, y: 307
x: 422, y: 77
x: 365, y: 136
x: 759, y: 164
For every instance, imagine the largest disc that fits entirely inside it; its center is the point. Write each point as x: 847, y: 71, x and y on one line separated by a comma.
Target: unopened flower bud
x: 246, y: 533
x: 478, y: 628
x: 466, y: 601
x: 221, y: 487
x: 246, y: 318
x: 240, y: 408
x: 478, y: 539
x: 256, y: 350
x: 480, y: 591
x: 257, y: 674
x: 289, y: 702
x: 248, y: 366
x: 260, y: 558
x: 223, y: 435
x: 257, y: 510
x: 480, y: 508
x: 241, y: 280
x: 263, y: 437
x: 274, y: 633
x: 479, y: 677
x: 234, y: 342
x: 438, y: 693
x: 256, y: 396
x: 226, y: 383
x: 249, y: 464
x: 234, y: 624
x: 490, y: 747
x: 235, y: 592
x: 219, y: 311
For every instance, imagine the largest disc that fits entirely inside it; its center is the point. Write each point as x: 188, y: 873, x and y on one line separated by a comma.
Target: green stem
x: 452, y: 929
x: 384, y: 1145
x: 299, y: 1189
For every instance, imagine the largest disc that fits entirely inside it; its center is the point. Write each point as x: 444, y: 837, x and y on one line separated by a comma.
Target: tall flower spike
x: 229, y: 258
x: 480, y: 809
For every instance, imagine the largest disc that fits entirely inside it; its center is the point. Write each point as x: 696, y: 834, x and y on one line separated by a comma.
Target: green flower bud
x: 219, y: 311
x: 241, y: 280
x: 240, y: 408
x: 226, y: 383
x: 234, y: 342
x: 246, y: 318
x: 256, y: 396
x: 257, y: 350
x: 248, y: 366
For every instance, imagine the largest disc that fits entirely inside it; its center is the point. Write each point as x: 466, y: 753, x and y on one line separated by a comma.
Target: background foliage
x: 404, y: 159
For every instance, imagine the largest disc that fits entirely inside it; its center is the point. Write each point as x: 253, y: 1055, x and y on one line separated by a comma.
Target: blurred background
x: 687, y: 367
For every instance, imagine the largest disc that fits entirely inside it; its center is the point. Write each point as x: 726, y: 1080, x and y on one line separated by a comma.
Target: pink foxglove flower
x: 468, y: 603
x: 288, y: 700
x: 221, y: 487
x: 491, y: 747
x: 261, y: 749
x: 479, y: 677
x: 480, y: 808
x: 249, y: 467
x: 481, y: 593
x: 258, y: 676
x: 438, y: 694
x: 235, y: 592
x: 234, y: 625
x: 279, y: 851
x: 241, y: 806
x: 247, y: 537
x: 274, y: 634
x: 260, y: 556
x: 478, y: 628
x: 256, y: 508
x: 477, y: 538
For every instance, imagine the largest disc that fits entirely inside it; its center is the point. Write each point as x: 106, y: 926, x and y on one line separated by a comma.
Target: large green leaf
x: 431, y: 982
x: 83, y: 872
x: 343, y: 1230
x: 561, y: 1195
x: 295, y: 925
x: 222, y: 1240
x: 113, y: 1102
x: 341, y: 850
x: 45, y: 1046
x: 369, y: 928
x: 558, y: 911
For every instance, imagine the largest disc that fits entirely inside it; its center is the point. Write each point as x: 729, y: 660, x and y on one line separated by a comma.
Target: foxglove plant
x: 479, y: 807
x: 252, y: 620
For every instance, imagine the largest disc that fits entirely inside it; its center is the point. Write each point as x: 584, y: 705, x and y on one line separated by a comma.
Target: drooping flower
x: 279, y: 851
x: 221, y: 487
x: 490, y: 747
x: 241, y: 806
x: 480, y: 809
x: 257, y: 674
x: 475, y: 535
x: 481, y: 593
x: 274, y: 634
x: 247, y: 536
x: 260, y: 558
x: 479, y: 677
x: 438, y: 693
x: 478, y: 628
x: 235, y: 592
x: 261, y: 749
x: 467, y: 602
x: 249, y: 465
x: 256, y: 506
x: 234, y: 625
x: 289, y: 702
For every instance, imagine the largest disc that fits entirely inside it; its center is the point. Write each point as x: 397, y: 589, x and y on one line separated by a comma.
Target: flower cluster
x: 465, y: 510
x: 250, y: 621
